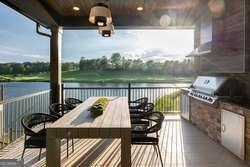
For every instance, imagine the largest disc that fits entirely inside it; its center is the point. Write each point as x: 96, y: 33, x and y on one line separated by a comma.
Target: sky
x: 19, y: 42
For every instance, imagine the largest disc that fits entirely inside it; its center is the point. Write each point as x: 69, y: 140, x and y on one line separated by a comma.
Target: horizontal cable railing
x: 166, y: 99
x: 12, y: 110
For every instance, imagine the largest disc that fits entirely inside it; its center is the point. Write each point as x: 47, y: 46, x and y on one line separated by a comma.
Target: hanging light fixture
x: 107, y: 30
x: 165, y: 21
x: 217, y: 8
x: 100, y: 15
x: 140, y: 5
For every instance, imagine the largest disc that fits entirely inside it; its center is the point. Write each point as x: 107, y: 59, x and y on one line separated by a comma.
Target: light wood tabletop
x: 78, y: 123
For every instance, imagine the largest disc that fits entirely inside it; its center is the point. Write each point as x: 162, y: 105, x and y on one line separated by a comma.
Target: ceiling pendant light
x: 107, y: 30
x: 100, y: 15
x: 165, y: 21
x: 217, y: 8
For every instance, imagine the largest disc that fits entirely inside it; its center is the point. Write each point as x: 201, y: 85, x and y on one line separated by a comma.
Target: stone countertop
x: 235, y: 107
x: 239, y: 103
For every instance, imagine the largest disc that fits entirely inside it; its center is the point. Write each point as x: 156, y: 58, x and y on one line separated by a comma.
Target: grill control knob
x: 210, y: 99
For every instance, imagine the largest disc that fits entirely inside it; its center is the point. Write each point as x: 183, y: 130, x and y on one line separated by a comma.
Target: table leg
x: 126, y: 149
x: 53, y: 151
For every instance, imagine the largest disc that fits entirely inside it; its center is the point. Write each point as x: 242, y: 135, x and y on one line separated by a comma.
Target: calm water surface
x: 15, y: 89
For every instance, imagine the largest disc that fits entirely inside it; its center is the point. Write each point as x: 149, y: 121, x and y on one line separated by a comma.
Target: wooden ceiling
x: 183, y: 13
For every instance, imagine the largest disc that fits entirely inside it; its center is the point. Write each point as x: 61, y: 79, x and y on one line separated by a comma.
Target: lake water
x: 15, y: 89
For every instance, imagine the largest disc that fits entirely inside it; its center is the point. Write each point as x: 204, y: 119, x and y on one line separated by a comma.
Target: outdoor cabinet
x: 233, y: 133
x: 229, y: 43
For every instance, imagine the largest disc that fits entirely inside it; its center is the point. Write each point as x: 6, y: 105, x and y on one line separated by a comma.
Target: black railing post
x: 62, y: 94
x: 129, y: 93
x: 2, y: 92
x: 10, y: 135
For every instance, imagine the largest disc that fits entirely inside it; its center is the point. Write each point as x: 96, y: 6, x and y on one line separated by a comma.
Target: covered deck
x: 181, y: 143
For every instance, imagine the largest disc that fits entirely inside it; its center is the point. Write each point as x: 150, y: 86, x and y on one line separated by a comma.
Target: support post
x: 55, y: 64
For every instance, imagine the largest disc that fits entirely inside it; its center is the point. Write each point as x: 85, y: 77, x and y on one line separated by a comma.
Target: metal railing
x: 166, y: 99
x: 12, y: 110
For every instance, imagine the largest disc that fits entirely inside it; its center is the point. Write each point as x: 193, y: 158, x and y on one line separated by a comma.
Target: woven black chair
x: 138, y: 104
x: 149, y: 107
x: 156, y: 116
x: 35, y: 138
x: 58, y: 110
x: 72, y: 102
x: 144, y: 118
x: 142, y: 134
x: 137, y: 115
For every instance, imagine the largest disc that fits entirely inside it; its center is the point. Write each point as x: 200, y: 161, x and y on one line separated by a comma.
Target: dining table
x: 78, y: 123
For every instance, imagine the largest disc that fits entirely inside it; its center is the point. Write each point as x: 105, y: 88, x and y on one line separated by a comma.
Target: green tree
x: 103, y: 63
x: 116, y: 61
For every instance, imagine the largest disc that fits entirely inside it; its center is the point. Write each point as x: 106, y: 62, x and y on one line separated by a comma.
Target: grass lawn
x: 99, y: 76
x: 168, y: 103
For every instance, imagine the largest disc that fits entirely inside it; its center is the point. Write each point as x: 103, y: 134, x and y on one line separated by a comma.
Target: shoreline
x: 99, y: 77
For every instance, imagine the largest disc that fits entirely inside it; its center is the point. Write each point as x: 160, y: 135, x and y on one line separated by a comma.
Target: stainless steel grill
x: 211, y: 88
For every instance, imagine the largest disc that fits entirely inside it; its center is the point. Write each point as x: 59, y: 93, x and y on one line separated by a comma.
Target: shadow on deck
x: 181, y: 144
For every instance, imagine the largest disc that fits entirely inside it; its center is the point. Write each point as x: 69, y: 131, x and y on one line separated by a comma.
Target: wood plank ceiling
x: 124, y: 13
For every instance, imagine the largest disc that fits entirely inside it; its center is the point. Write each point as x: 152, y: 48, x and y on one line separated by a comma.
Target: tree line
x: 33, y: 67
x: 119, y: 63
x: 116, y: 63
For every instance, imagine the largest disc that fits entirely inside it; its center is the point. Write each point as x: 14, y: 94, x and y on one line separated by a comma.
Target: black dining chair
x: 58, y: 110
x: 141, y: 134
x: 137, y: 115
x: 73, y: 102
x: 149, y: 107
x: 138, y: 103
x: 34, y: 130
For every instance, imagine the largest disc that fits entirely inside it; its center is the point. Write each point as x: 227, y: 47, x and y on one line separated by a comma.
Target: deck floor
x: 181, y: 144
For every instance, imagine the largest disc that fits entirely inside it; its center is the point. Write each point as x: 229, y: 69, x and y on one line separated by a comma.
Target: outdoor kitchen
x: 212, y: 99
x: 218, y: 102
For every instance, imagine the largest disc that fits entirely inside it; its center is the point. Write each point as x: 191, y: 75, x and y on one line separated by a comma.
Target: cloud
x: 156, y: 54
x: 10, y: 54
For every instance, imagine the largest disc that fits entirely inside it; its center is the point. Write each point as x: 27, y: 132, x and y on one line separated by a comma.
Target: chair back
x: 149, y: 107
x: 72, y: 102
x: 32, y: 120
x: 59, y: 110
x: 154, y: 128
x: 141, y: 103
x: 156, y: 118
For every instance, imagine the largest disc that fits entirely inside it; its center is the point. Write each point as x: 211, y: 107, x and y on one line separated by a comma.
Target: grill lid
x: 208, y: 84
x: 204, y: 88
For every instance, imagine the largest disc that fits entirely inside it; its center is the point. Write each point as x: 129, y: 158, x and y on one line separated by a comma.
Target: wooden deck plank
x: 178, y: 148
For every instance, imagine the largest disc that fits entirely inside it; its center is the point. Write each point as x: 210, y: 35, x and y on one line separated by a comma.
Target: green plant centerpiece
x: 99, y: 107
